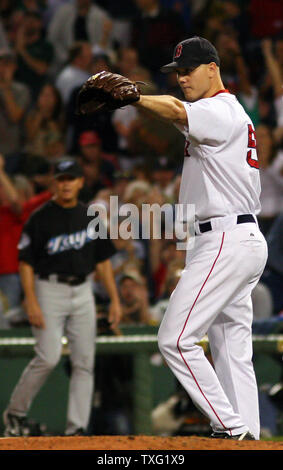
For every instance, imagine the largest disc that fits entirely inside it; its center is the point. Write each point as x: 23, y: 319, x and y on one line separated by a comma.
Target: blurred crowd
x: 48, y: 48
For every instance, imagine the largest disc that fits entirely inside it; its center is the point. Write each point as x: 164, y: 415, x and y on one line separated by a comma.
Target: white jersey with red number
x: 220, y: 173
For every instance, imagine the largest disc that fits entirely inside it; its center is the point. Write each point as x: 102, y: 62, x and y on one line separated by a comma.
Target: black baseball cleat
x: 245, y: 436
x: 16, y: 426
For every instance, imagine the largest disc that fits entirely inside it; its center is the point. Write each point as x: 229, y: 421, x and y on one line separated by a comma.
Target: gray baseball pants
x: 68, y: 310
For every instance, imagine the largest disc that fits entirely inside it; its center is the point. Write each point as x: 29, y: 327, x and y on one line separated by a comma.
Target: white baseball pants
x: 67, y: 310
x: 213, y: 297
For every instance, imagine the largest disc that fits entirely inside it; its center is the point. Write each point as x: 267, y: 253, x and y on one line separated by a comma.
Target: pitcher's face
x: 196, y: 83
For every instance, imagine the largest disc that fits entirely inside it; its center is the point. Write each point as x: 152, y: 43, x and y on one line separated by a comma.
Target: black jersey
x: 55, y: 241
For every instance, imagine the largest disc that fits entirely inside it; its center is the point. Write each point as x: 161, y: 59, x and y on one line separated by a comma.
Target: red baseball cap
x: 89, y: 138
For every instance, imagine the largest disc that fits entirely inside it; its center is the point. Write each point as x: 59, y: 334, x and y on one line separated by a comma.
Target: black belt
x: 241, y: 219
x: 70, y: 280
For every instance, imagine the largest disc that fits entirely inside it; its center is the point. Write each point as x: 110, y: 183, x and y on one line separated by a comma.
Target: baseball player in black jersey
x: 57, y: 259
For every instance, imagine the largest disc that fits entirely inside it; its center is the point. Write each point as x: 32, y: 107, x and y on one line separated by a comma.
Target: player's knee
x: 49, y: 361
x: 83, y: 365
x: 52, y: 362
x: 169, y: 344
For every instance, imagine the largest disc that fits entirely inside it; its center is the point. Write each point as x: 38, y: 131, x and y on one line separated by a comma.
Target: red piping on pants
x: 178, y: 345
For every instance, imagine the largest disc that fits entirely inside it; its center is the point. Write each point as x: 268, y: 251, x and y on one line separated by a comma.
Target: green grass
x: 273, y: 439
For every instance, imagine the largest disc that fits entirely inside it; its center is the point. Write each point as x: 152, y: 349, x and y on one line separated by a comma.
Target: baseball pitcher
x: 221, y: 179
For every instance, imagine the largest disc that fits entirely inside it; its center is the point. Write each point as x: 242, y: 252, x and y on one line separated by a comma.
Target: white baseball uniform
x: 220, y: 176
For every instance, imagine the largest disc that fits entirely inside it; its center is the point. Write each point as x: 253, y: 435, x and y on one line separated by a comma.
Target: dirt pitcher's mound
x: 133, y: 443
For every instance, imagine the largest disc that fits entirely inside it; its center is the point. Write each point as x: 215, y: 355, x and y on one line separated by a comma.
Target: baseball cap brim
x: 175, y: 65
x: 67, y: 173
x: 169, y: 67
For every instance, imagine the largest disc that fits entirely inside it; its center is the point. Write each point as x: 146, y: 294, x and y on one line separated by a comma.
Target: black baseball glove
x: 106, y: 91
